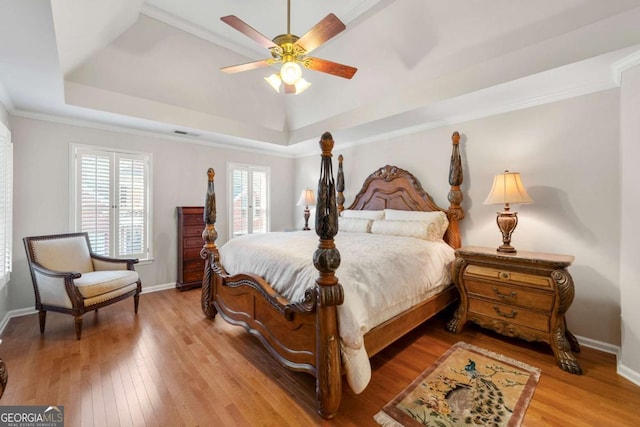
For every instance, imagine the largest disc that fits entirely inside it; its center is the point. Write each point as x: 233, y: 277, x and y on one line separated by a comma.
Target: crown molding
x: 624, y: 64
x: 198, y: 31
x: 280, y: 152
x: 5, y: 99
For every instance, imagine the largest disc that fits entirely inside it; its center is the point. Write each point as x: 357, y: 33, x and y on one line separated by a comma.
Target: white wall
x: 4, y: 294
x: 41, y: 183
x: 629, y: 250
x: 567, y: 153
x: 4, y: 114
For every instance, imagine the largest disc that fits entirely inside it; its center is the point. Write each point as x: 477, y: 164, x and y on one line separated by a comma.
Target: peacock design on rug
x: 479, y: 402
x: 470, y: 399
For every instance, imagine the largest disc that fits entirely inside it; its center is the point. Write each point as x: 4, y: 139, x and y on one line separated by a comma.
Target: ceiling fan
x: 291, y: 50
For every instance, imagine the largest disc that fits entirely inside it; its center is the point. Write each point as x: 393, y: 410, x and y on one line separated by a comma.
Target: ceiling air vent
x: 185, y: 133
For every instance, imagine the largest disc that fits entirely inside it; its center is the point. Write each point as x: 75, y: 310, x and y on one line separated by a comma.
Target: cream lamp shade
x: 307, y: 198
x: 507, y: 189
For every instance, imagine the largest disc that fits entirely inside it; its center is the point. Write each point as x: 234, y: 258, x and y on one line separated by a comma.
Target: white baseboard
x: 15, y: 313
x: 157, y: 288
x: 27, y: 311
x: 629, y: 374
x: 599, y: 345
x: 622, y: 370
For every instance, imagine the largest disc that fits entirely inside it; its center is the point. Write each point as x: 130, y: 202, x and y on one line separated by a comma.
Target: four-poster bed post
x: 303, y: 335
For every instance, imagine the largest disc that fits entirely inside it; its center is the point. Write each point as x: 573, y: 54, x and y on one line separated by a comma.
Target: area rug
x: 466, y: 386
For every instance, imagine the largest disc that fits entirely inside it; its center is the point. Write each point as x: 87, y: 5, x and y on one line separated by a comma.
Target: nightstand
x: 523, y: 295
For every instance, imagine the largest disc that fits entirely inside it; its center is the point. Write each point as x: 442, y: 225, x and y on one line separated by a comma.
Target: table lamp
x: 307, y: 198
x: 507, y: 189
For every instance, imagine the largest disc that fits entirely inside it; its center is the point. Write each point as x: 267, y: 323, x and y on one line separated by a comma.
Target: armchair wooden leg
x: 78, y: 326
x: 42, y: 314
x: 136, y: 302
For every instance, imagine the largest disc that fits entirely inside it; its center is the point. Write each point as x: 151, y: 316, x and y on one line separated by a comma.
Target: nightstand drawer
x: 506, y: 294
x: 507, y: 276
x: 511, y: 314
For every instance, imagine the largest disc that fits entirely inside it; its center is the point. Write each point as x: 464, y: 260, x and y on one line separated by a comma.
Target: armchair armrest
x: 56, y: 287
x: 55, y: 274
x: 101, y: 263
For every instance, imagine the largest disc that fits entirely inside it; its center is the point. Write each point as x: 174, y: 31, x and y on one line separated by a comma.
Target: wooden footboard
x: 303, y: 335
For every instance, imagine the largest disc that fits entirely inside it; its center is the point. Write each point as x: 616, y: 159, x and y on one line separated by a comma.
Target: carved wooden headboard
x: 391, y: 187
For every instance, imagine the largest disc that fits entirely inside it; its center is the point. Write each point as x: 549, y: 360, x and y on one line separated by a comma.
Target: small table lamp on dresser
x: 307, y: 198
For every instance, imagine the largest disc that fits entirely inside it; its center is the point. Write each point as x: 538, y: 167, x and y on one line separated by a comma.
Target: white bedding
x: 382, y: 276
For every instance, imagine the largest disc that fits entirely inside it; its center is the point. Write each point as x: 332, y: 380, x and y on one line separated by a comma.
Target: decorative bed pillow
x: 418, y: 229
x: 354, y: 225
x: 439, y: 218
x: 353, y: 213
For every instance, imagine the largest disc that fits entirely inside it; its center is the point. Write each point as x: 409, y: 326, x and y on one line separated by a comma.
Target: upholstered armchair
x: 69, y: 278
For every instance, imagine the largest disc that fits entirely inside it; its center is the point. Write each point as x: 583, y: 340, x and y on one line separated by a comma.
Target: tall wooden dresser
x: 190, y: 265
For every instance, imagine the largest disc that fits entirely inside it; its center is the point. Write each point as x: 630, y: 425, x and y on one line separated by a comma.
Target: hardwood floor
x: 169, y: 366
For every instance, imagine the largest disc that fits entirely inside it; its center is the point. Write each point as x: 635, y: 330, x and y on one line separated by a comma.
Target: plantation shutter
x: 240, y: 202
x: 131, y: 206
x: 112, y: 201
x: 6, y: 204
x: 95, y: 200
x: 259, y: 198
x: 249, y: 205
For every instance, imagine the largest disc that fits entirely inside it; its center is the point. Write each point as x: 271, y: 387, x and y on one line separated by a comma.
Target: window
x: 6, y: 203
x: 249, y: 205
x: 111, y: 200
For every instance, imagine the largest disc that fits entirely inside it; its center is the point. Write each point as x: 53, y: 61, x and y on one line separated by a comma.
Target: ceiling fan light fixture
x: 274, y: 81
x: 290, y: 73
x: 302, y: 85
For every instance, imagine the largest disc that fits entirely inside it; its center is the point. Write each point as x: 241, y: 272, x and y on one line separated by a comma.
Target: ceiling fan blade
x: 248, y: 66
x: 327, y: 28
x: 330, y: 67
x: 248, y: 31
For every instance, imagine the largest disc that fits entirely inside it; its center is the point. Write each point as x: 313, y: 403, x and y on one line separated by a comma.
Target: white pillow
x: 417, y: 229
x: 439, y: 218
x: 353, y: 213
x: 354, y: 225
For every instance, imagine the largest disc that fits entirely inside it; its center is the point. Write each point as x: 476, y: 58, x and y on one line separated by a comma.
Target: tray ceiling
x: 154, y: 66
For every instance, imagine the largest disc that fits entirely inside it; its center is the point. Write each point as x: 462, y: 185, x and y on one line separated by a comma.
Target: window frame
x: 6, y: 214
x: 114, y: 155
x: 234, y: 166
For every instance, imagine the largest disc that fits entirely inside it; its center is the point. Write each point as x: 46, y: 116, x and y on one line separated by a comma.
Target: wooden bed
x: 303, y: 335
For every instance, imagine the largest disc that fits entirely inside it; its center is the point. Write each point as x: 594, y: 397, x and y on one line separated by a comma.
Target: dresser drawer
x: 191, y: 253
x: 513, y: 295
x: 509, y: 313
x: 193, y: 230
x: 195, y: 264
x: 193, y: 220
x: 193, y: 242
x: 507, y: 276
x: 193, y: 276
